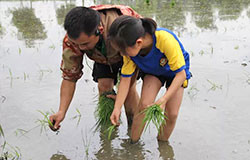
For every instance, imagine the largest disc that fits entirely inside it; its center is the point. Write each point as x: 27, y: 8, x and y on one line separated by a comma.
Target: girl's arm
x: 120, y: 98
x: 177, y: 82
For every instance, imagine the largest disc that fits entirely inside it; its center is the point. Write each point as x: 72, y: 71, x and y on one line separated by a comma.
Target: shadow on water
x: 125, y: 149
x: 30, y: 27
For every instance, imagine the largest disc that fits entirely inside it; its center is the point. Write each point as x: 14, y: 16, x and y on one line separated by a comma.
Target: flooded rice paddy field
x: 213, y: 123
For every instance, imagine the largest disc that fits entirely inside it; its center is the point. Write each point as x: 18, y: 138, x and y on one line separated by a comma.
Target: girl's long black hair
x: 125, y: 30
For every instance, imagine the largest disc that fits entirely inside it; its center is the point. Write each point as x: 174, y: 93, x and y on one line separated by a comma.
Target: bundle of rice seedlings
x: 104, y: 110
x: 154, y: 114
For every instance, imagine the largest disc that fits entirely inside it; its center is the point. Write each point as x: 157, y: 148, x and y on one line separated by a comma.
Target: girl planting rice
x: 162, y: 60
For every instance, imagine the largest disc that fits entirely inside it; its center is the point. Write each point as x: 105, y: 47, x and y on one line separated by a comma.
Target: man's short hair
x: 81, y: 19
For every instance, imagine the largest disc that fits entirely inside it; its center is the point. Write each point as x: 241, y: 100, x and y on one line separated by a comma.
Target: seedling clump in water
x: 103, y: 112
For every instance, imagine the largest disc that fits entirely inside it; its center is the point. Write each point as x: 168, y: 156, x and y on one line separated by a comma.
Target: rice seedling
x: 214, y: 85
x: 45, y: 122
x: 25, y: 76
x: 13, y: 153
x: 86, y: 143
x: 192, y: 92
x: 192, y: 53
x: 10, y: 73
x: 7, y: 150
x: 19, y: 51
x: 154, y: 114
x: 248, y: 78
x: 201, y: 52
x: 173, y: 2
x: 52, y: 47
x: 43, y: 71
x: 79, y: 115
x: 21, y: 132
x: 110, y: 130
x: 1, y: 131
x: 104, y: 110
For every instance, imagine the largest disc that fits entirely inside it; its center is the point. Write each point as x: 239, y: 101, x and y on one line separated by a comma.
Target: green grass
x: 45, y: 123
x: 104, y: 110
x: 110, y: 130
x: 214, y: 86
x: 192, y: 92
x: 8, y: 151
x: 86, y: 143
x: 78, y: 116
x: 155, y: 115
x: 1, y: 131
x: 248, y: 77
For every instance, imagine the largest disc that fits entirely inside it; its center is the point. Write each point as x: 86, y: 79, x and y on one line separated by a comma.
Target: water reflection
x: 248, y: 13
x: 166, y: 150
x: 126, y: 150
x: 62, y: 11
x: 1, y: 30
x: 202, y: 14
x: 58, y: 157
x: 172, y: 14
x: 30, y: 27
x: 231, y: 10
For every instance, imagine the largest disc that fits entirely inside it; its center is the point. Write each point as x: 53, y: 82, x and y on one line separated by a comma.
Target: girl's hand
x: 115, y: 116
x: 162, y: 102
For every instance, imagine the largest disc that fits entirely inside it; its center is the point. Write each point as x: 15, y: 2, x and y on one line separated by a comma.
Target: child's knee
x: 143, y: 106
x: 172, y: 117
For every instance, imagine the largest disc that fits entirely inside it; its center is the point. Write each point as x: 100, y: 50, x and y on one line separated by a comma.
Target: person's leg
x: 150, y: 88
x: 171, y: 111
x: 104, y: 76
x: 132, y: 100
x: 105, y: 85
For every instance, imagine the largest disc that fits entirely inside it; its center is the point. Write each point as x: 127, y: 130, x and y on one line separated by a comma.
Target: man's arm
x: 66, y: 95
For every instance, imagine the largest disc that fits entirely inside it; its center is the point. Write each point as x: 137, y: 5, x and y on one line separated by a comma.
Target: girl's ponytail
x: 149, y: 25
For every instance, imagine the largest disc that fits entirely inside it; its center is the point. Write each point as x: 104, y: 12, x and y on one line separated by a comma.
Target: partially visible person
x: 87, y: 30
x: 162, y: 60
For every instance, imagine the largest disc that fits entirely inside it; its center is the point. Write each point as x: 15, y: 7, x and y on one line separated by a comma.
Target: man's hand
x: 111, y: 96
x: 56, y: 119
x: 115, y: 116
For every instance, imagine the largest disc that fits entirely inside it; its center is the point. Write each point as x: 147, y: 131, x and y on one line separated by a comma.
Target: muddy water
x: 214, y: 119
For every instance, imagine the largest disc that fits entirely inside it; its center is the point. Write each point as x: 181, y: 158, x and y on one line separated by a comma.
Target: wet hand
x: 56, y: 119
x: 115, y: 116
